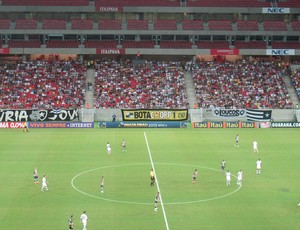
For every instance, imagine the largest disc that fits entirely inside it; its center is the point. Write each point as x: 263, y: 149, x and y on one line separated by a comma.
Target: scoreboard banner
x: 155, y: 114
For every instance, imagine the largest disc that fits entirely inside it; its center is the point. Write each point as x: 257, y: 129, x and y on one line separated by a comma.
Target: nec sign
x: 281, y: 52
x: 276, y: 10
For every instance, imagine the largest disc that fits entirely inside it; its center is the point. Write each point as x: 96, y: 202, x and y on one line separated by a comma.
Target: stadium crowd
x: 42, y: 84
x: 155, y: 85
x: 243, y: 84
x: 61, y: 84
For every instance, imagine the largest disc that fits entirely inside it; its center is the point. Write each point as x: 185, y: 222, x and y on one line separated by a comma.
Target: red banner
x: 224, y: 51
x: 12, y: 125
x: 110, y: 51
x: 4, y: 50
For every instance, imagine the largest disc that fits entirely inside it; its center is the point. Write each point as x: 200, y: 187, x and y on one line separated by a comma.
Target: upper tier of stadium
x: 158, y: 3
x: 170, y: 27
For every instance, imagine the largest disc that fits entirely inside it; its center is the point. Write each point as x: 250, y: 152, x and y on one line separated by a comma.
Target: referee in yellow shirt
x: 152, y: 177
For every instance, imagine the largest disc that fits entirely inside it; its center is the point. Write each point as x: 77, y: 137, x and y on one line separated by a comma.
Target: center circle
x: 210, y: 184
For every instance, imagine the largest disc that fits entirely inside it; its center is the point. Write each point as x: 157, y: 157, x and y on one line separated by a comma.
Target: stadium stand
x: 247, y: 25
x: 42, y: 84
x: 241, y: 85
x: 109, y: 24
x: 121, y: 3
x: 219, y: 25
x: 175, y: 44
x: 137, y: 44
x: 250, y: 45
x: 295, y: 25
x: 156, y: 85
x: 295, y: 81
x: 213, y: 45
x: 289, y: 3
x: 45, y: 3
x: 24, y: 44
x: 192, y: 25
x: 26, y: 24
x: 285, y: 45
x: 228, y: 3
x: 54, y: 24
x: 137, y: 25
x: 128, y: 26
x: 271, y: 25
x: 81, y: 24
x: 62, y: 44
x: 100, y: 44
x: 4, y: 24
x: 165, y: 24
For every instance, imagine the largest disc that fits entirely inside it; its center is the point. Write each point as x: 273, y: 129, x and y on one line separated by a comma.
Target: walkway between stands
x: 90, y: 83
x: 190, y: 90
x: 291, y: 90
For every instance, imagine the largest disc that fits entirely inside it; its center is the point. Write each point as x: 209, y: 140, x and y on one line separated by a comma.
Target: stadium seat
x: 213, y: 45
x: 81, y: 24
x: 45, y: 3
x: 165, y: 24
x: 295, y: 25
x: 286, y: 45
x: 137, y: 44
x: 54, y: 24
x: 108, y: 24
x: 175, y: 45
x: 219, y: 25
x: 247, y: 25
x: 26, y: 24
x: 228, y: 3
x: 289, y: 3
x: 62, y: 44
x: 121, y: 3
x: 250, y: 45
x: 137, y: 25
x: 24, y: 44
x: 270, y: 25
x: 4, y: 24
x: 192, y: 25
x: 100, y: 44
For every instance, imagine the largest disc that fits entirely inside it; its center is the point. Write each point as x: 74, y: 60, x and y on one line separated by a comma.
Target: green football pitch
x: 75, y: 159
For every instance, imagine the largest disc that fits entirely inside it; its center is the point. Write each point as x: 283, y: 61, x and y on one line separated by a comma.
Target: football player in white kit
x: 108, y: 148
x: 83, y: 220
x: 228, y: 177
x: 258, y: 166
x: 239, y: 177
x: 44, y: 184
x: 255, y: 146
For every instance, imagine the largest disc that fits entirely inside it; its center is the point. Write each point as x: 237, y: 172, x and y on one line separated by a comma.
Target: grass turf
x: 75, y: 159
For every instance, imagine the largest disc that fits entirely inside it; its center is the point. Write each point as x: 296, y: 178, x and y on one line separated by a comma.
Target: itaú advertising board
x: 224, y: 124
x: 155, y: 114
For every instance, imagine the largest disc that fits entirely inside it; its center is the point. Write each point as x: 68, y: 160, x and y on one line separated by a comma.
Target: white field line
x: 156, y: 181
